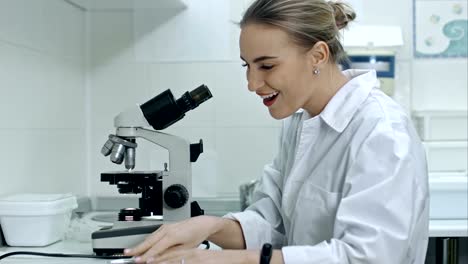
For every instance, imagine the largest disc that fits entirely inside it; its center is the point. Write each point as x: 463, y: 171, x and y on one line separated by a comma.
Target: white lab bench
x: 67, y: 247
x: 448, y: 228
x: 437, y: 228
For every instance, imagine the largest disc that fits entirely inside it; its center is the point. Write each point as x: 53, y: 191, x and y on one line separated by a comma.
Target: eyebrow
x: 261, y: 58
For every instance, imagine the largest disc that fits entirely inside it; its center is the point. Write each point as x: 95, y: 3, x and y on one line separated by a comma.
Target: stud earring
x: 316, y: 71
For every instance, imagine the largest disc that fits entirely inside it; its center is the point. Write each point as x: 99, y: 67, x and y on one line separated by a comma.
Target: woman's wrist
x: 216, y: 223
x: 277, y: 257
x: 225, y: 232
x: 253, y: 257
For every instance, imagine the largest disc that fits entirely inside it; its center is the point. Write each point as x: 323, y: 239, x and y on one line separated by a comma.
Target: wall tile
x: 116, y: 87
x: 42, y: 97
x: 42, y: 160
x: 37, y: 88
x: 242, y: 154
x: 111, y: 38
x: 63, y: 28
x: 21, y: 22
x: 50, y: 26
x: 154, y: 29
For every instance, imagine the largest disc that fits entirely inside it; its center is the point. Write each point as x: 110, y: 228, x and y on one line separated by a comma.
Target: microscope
x: 165, y: 195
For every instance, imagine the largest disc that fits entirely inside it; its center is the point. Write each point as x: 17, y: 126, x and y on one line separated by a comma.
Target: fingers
x: 153, y: 246
x: 169, y: 236
x: 152, y: 239
x: 174, y: 255
x: 179, y: 254
x: 156, y: 250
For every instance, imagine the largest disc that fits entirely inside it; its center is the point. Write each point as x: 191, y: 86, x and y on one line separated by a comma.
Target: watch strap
x: 266, y: 253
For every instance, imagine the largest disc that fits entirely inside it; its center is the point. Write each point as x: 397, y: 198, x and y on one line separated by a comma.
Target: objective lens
x: 107, y: 148
x: 130, y: 159
x: 118, y: 152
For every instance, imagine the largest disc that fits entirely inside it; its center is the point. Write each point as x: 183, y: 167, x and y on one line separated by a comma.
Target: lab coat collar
x: 344, y: 104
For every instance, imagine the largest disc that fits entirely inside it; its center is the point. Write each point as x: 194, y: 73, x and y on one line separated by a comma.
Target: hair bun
x: 344, y: 13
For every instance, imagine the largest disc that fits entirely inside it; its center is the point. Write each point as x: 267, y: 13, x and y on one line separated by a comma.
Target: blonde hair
x: 306, y: 21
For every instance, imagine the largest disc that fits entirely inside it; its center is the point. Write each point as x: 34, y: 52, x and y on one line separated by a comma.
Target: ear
x: 319, y: 54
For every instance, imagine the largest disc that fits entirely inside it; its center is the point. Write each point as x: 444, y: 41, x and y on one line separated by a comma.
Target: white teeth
x: 269, y: 95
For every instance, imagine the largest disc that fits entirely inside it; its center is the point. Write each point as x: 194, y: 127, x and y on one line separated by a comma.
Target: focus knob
x: 176, y: 196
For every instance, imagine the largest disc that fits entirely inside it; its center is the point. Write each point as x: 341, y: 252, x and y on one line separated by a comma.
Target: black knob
x: 176, y: 196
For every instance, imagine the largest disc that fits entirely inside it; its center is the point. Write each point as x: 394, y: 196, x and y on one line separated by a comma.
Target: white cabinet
x: 446, y: 156
x: 441, y: 125
x: 444, y: 133
x: 448, y: 194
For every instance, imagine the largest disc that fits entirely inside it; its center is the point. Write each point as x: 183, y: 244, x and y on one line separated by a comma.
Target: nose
x: 255, y: 81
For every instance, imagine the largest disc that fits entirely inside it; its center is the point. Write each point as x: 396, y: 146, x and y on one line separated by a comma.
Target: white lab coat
x: 347, y: 186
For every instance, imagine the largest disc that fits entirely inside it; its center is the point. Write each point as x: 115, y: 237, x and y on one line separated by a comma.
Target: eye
x: 244, y: 65
x: 266, y: 67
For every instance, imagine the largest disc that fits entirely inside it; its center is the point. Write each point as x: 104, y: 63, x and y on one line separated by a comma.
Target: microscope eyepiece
x: 164, y: 110
x: 200, y: 95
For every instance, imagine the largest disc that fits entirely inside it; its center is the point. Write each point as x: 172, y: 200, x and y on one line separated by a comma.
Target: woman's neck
x: 329, y: 82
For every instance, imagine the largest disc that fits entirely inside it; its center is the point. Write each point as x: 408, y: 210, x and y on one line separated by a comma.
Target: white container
x: 35, y: 219
x: 449, y: 196
x: 440, y: 125
x: 447, y: 156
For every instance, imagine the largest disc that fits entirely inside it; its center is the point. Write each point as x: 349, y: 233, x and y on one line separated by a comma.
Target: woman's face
x: 277, y: 70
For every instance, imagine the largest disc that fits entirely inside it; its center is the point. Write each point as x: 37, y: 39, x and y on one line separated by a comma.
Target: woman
x: 349, y: 184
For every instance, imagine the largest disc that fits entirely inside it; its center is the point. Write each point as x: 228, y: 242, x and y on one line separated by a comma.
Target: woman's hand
x: 201, y: 256
x: 181, y: 235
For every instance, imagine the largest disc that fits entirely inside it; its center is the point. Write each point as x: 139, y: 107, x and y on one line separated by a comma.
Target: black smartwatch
x: 265, y: 254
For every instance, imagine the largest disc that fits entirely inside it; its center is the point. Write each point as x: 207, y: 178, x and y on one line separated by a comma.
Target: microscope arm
x: 179, y: 162
x: 179, y: 154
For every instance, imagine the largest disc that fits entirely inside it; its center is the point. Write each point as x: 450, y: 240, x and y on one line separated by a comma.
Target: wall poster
x: 440, y: 28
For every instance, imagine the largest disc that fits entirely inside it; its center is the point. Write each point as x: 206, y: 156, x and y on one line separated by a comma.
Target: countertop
x: 437, y: 228
x: 448, y: 228
x: 66, y: 246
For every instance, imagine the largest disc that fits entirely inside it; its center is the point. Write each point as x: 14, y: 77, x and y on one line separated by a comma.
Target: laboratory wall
x: 136, y: 55
x: 42, y: 97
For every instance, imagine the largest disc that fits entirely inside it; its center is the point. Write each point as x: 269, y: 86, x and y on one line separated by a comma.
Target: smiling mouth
x: 270, y: 99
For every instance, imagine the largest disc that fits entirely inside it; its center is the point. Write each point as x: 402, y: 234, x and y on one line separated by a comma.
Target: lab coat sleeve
x: 383, y: 214
x: 261, y: 222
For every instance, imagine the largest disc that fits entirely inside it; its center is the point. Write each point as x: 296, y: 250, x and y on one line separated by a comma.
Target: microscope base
x: 112, y: 241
